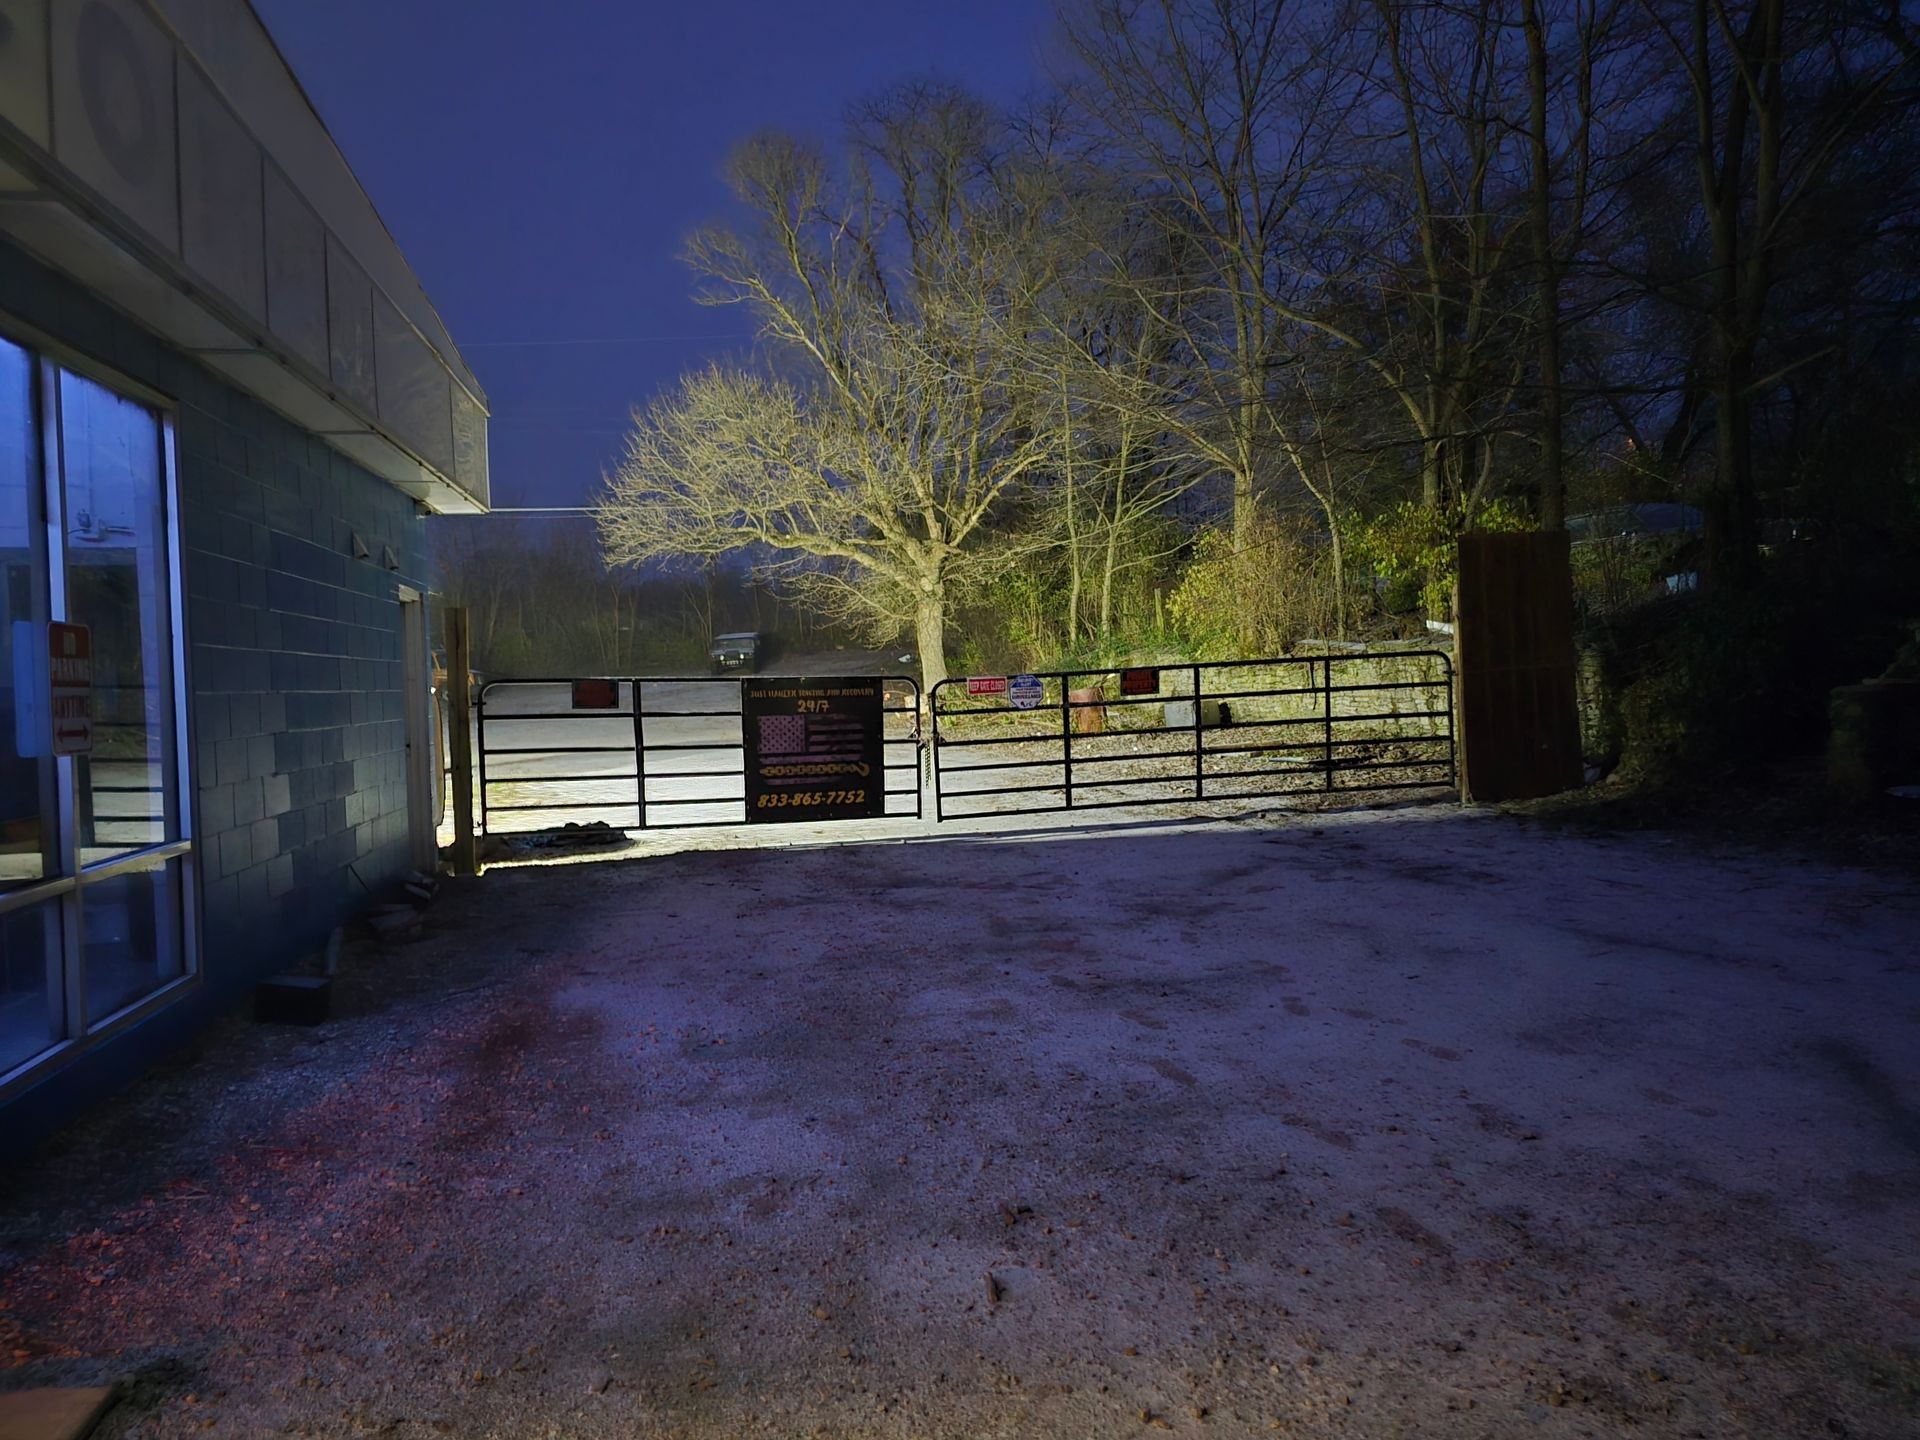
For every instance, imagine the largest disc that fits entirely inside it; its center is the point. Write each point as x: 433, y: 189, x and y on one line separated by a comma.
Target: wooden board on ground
x: 63, y: 1414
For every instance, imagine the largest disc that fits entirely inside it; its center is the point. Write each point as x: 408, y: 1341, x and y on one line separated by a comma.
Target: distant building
x: 226, y: 408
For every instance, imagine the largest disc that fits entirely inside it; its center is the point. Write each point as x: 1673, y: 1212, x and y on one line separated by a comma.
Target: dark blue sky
x: 540, y: 163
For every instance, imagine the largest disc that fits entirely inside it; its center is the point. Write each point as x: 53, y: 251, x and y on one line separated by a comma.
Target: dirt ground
x: 1414, y: 1124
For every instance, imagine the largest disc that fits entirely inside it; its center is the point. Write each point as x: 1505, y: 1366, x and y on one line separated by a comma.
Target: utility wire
x: 597, y: 340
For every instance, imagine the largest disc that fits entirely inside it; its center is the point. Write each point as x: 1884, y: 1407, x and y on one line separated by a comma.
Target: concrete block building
x: 226, y: 410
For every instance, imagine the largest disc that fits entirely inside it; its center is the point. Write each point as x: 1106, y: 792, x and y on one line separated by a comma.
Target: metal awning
x: 162, y: 153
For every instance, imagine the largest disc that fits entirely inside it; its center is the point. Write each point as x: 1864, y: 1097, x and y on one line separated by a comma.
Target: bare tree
x: 1553, y: 478
x: 1114, y: 365
x: 1774, y: 97
x: 868, y: 466
x: 1445, y: 222
x: 482, y: 568
x: 1339, y: 191
x: 1218, y: 119
x: 1578, y: 94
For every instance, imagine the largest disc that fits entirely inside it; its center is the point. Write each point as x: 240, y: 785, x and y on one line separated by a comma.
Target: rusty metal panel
x: 1513, y: 623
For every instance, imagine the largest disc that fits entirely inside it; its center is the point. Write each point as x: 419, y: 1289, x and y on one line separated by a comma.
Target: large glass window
x: 33, y: 1002
x: 95, y: 856
x: 117, y: 586
x: 132, y: 927
x: 32, y: 962
x: 29, y: 829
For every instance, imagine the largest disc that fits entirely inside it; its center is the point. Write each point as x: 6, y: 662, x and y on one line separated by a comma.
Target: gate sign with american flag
x: 815, y: 748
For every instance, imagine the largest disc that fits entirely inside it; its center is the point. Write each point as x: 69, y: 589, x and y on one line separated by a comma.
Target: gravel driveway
x: 1411, y: 1124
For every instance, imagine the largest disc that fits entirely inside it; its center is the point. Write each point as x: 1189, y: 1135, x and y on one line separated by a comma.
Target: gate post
x: 1199, y: 743
x: 639, y: 754
x: 1326, y: 709
x: 1518, y: 720
x: 459, y: 722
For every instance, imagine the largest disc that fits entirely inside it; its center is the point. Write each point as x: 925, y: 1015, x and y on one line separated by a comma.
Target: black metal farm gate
x: 1179, y: 734
x: 644, y: 753
x: 652, y: 753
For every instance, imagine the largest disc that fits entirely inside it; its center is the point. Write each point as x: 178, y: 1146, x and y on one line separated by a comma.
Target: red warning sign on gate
x: 596, y: 694
x: 70, y: 685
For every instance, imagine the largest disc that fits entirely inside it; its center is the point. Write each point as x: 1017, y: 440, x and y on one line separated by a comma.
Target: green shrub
x: 1260, y: 600
x: 1620, y: 570
x: 1412, y: 548
x: 1698, y: 685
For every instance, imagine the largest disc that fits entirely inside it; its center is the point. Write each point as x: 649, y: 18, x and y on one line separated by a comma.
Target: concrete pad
x: 65, y: 1414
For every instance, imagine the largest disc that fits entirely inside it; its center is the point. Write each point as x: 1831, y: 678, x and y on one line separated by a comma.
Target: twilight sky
x: 539, y: 164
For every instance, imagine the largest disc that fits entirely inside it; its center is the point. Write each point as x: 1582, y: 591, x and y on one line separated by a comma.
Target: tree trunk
x: 1553, y: 480
x: 1432, y: 497
x: 1106, y: 579
x: 1730, y: 535
x: 1244, y: 500
x: 1073, y: 579
x: 1122, y: 461
x: 1740, y: 274
x: 1073, y: 526
x: 930, y: 635
x: 1247, y: 425
x: 1243, y: 511
x: 1732, y: 516
x: 1339, y: 577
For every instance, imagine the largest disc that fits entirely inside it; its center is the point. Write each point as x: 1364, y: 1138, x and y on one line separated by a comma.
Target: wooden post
x: 1518, y: 720
x: 459, y: 724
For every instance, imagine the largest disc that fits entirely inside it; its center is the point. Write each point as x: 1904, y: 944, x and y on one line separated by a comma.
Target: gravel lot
x: 1419, y: 1123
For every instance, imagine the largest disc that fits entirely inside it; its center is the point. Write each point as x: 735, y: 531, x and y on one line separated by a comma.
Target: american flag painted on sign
x: 783, y: 735
x: 815, y: 749
x: 810, y: 740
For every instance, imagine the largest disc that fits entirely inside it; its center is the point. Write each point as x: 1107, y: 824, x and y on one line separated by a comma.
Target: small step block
x: 293, y: 1000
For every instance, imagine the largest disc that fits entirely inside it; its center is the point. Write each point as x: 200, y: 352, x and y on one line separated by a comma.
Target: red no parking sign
x: 70, y: 686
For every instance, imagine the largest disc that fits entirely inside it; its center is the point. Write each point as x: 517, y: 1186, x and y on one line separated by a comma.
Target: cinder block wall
x: 295, y: 705
x: 299, y: 740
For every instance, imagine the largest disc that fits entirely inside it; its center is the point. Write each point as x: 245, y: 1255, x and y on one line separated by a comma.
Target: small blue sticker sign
x: 1025, y: 692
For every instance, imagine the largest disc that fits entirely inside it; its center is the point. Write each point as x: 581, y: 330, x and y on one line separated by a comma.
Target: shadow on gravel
x: 1877, y: 1091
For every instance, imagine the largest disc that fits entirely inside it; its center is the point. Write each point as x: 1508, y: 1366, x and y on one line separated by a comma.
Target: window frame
x: 82, y: 1032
